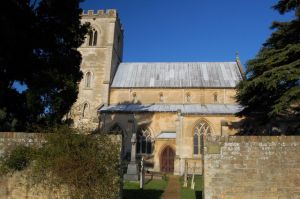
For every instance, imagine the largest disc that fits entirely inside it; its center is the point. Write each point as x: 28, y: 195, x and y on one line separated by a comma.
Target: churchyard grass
x: 188, y: 193
x: 153, y: 189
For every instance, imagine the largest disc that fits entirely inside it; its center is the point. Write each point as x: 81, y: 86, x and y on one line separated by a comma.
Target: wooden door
x: 167, y: 160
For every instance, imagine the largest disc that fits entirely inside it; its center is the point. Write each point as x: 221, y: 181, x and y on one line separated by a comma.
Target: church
x: 162, y: 110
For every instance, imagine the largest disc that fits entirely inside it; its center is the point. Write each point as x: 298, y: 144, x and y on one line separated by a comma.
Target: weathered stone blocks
x: 252, y: 167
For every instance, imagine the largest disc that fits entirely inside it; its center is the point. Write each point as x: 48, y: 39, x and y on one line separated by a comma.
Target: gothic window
x: 85, y: 109
x: 188, y: 97
x: 95, y: 38
x: 93, y: 34
x: 144, y: 143
x: 161, y: 97
x: 200, y: 131
x: 215, y: 98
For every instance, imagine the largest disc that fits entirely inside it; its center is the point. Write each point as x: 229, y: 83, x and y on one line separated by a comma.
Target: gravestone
x: 132, y: 168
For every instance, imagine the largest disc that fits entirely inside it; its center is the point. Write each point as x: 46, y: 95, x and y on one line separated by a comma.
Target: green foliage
x: 271, y: 92
x: 18, y: 159
x: 38, y: 50
x: 85, y: 165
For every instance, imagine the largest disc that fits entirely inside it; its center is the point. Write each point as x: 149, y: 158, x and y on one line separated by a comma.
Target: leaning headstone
x: 193, y: 178
x: 193, y: 182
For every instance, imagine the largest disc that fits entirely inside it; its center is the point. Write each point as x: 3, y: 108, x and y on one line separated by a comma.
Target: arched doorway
x: 167, y: 160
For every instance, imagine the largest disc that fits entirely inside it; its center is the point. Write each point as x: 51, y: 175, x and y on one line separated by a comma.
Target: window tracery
x: 200, y: 131
x: 144, y: 142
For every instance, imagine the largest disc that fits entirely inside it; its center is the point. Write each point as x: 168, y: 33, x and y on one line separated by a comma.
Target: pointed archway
x: 167, y: 160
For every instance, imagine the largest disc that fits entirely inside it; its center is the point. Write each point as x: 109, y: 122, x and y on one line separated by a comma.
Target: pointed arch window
x: 88, y: 79
x: 144, y: 142
x: 201, y: 129
x: 95, y: 38
x: 93, y: 35
x: 85, y: 110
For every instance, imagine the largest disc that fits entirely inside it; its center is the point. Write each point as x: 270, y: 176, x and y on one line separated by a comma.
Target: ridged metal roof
x: 206, y: 109
x: 177, y: 75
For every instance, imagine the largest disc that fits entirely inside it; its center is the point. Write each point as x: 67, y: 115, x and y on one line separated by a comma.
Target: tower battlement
x: 100, y: 13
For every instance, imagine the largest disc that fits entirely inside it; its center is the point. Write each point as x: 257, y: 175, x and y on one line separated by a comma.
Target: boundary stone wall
x: 252, y: 167
x: 15, y: 186
x: 8, y: 140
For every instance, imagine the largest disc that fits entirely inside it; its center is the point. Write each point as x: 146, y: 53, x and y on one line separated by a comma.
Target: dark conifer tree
x: 38, y: 49
x: 270, y: 93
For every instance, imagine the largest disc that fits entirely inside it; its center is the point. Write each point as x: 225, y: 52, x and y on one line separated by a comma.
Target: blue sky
x: 192, y: 30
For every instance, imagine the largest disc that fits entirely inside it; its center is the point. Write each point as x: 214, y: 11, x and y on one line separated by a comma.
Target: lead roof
x: 177, y: 75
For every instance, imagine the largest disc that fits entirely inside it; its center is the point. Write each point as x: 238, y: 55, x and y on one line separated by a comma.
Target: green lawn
x: 188, y: 193
x: 152, y: 190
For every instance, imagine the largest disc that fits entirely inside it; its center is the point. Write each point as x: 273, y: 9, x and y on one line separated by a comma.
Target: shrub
x: 17, y: 159
x: 87, y: 166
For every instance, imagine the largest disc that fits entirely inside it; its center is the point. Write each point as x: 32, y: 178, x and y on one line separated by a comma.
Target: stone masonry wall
x: 9, y: 140
x: 238, y: 167
x: 14, y: 186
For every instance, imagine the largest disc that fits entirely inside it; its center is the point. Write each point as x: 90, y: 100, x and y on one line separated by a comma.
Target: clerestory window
x: 215, y: 98
x: 188, y: 97
x: 161, y: 97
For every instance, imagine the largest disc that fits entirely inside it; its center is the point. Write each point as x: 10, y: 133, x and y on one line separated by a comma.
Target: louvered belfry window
x: 93, y: 35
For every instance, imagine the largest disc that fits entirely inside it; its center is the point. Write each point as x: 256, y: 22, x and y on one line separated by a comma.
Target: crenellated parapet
x: 100, y: 13
x: 109, y: 13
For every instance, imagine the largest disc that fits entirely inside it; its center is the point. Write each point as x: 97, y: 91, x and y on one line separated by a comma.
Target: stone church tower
x: 101, y: 54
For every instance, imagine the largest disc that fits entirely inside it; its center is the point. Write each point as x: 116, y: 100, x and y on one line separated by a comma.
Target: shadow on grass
x: 198, y: 194
x: 142, y: 194
x: 153, y: 189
